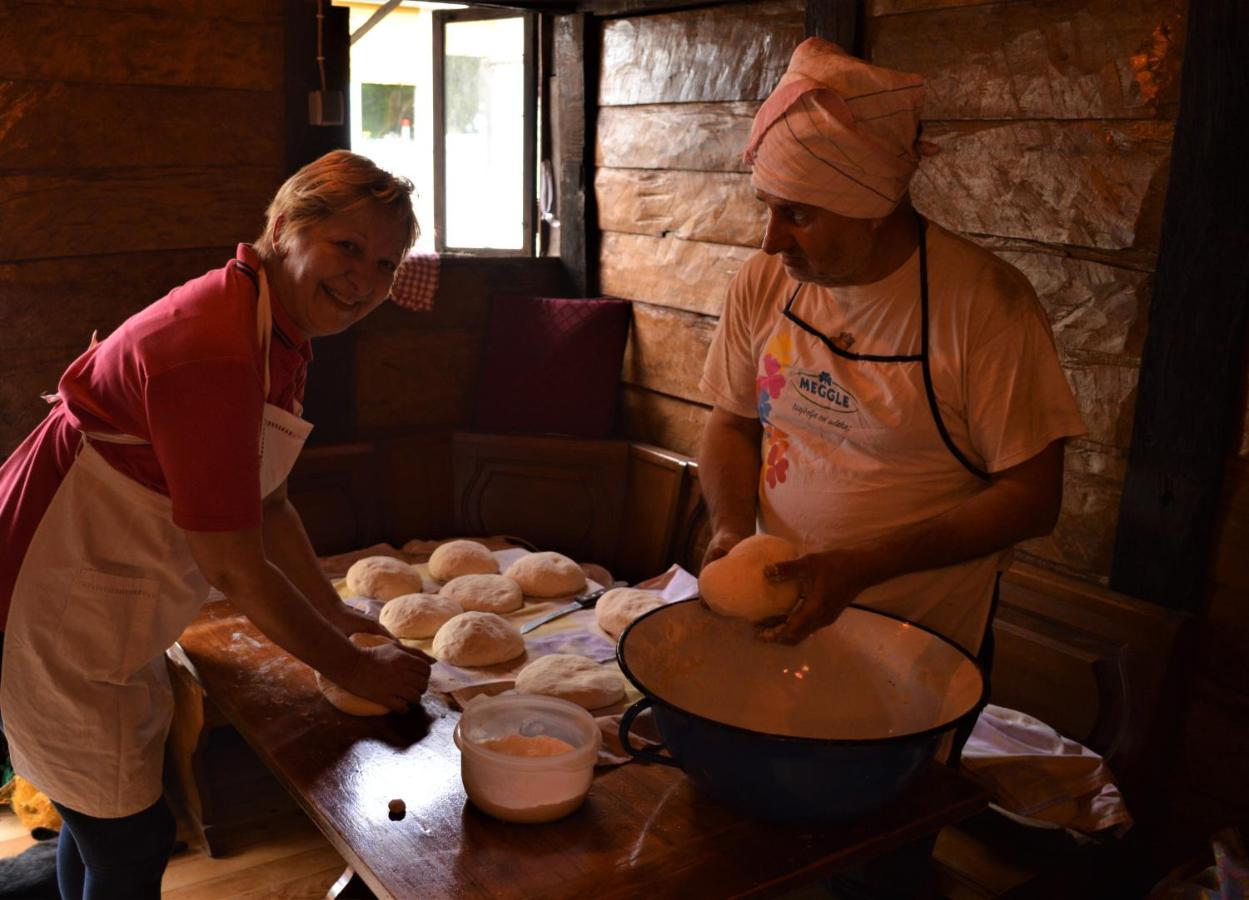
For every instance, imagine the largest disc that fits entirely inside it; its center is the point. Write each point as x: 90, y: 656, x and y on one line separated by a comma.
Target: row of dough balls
x: 540, y: 575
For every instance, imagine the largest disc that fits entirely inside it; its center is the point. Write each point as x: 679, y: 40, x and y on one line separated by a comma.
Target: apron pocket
x: 107, y: 624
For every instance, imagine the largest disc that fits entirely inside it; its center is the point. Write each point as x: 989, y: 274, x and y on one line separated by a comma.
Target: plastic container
x: 517, y: 788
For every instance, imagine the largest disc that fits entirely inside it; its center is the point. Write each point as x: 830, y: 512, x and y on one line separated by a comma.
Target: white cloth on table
x: 1033, y: 771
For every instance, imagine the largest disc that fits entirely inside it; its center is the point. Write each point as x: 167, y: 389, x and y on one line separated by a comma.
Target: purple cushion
x: 551, y: 366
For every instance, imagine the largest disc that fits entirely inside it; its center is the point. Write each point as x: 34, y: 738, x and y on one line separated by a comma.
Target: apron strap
x: 923, y: 353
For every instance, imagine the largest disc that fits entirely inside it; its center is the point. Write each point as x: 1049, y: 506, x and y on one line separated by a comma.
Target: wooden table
x: 643, y: 831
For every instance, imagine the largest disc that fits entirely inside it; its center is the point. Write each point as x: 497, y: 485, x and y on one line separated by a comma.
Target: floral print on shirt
x: 769, y: 384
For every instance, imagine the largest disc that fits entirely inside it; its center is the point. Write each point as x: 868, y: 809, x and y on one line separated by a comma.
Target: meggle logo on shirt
x: 821, y: 390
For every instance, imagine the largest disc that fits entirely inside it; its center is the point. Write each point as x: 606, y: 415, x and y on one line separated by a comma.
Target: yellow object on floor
x: 31, y: 805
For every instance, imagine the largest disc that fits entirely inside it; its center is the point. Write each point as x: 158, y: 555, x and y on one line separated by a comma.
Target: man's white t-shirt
x: 851, y: 447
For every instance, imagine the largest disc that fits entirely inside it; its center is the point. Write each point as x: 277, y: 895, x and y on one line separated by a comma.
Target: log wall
x: 1054, y: 120
x: 139, y: 142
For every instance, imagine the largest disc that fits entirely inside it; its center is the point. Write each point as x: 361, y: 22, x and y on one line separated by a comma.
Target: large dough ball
x: 620, y: 606
x: 411, y: 617
x: 734, y: 585
x: 478, y: 639
x: 382, y: 577
x: 547, y: 574
x: 456, y: 558
x: 485, y: 593
x: 345, y: 700
x: 575, y: 678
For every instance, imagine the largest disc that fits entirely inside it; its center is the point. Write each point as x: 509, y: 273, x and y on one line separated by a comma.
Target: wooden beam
x: 839, y: 21
x: 576, y: 71
x: 1193, y: 363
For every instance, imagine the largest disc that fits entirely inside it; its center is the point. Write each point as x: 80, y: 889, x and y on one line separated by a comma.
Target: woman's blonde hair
x: 336, y: 183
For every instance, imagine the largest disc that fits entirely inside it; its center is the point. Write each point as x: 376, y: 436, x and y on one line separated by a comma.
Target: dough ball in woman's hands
x: 574, y: 678
x: 345, y: 700
x: 547, y: 574
x: 455, y: 558
x: 620, y: 606
x: 478, y: 639
x: 485, y: 593
x: 734, y: 585
x: 382, y: 577
x: 411, y: 617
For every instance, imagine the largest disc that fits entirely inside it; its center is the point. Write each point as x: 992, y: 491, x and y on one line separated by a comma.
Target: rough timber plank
x: 719, y: 207
x: 700, y: 55
x: 666, y: 350
x: 661, y: 420
x: 1057, y: 59
x: 691, y: 275
x: 1091, y: 184
x: 705, y: 136
x: 42, y: 41
x: 127, y: 210
x: 178, y: 127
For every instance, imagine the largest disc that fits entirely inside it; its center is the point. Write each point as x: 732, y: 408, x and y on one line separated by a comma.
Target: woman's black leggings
x: 114, y: 859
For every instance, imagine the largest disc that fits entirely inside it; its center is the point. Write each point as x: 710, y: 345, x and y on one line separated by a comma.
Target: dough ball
x: 547, y: 575
x: 382, y: 577
x: 346, y: 701
x: 411, y: 617
x: 620, y: 606
x: 574, y: 678
x: 455, y: 558
x: 734, y: 585
x: 478, y: 639
x: 485, y: 593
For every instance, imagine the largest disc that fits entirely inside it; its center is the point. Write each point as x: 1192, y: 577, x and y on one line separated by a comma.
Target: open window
x: 448, y: 97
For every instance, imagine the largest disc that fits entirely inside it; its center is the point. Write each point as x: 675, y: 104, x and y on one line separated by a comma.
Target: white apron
x: 854, y: 447
x: 107, y: 584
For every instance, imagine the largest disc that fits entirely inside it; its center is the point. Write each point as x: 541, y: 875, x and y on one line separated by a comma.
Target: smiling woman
x: 161, y: 472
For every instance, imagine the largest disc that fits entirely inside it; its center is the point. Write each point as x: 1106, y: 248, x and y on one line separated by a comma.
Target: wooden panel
x: 24, y: 376
x: 700, y: 55
x: 576, y: 70
x: 889, y: 7
x: 1068, y: 647
x: 418, y: 499
x: 704, y: 136
x: 1096, y: 310
x: 653, y: 418
x: 1040, y: 59
x: 558, y: 494
x: 336, y: 491
x: 177, y: 127
x: 414, y: 379
x: 839, y: 21
x: 691, y: 275
x: 657, y: 482
x: 1227, y: 606
x: 1095, y: 184
x: 43, y: 41
x: 666, y: 350
x: 695, y: 206
x: 1197, y: 338
x: 130, y: 210
x: 235, y: 10
x: 49, y: 302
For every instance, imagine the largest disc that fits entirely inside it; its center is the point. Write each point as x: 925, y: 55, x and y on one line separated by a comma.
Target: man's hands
x: 390, y: 674
x: 828, y: 583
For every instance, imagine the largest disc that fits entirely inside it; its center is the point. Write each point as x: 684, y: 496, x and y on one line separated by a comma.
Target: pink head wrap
x: 837, y: 133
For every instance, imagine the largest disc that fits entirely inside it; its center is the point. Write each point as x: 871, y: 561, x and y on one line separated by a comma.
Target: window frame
x: 530, y: 129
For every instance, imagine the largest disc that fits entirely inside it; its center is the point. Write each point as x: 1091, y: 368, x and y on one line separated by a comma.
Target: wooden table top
x: 643, y: 831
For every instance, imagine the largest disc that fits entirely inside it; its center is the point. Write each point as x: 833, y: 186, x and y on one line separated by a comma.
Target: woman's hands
x: 390, y: 674
x: 351, y: 621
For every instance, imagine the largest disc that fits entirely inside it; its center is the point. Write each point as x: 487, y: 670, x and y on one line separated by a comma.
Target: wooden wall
x: 1055, y: 122
x: 139, y: 142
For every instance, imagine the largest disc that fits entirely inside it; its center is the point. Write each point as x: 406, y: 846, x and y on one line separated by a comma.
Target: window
x: 448, y: 96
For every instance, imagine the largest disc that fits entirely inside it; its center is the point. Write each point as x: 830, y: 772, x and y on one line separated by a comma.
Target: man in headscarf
x: 887, y: 395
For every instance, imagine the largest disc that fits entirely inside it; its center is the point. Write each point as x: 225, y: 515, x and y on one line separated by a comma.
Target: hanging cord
x: 320, y: 51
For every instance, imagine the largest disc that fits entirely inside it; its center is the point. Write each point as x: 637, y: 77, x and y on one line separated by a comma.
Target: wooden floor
x: 283, y: 856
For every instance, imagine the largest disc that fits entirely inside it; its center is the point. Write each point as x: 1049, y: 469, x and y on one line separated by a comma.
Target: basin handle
x: 650, y: 754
